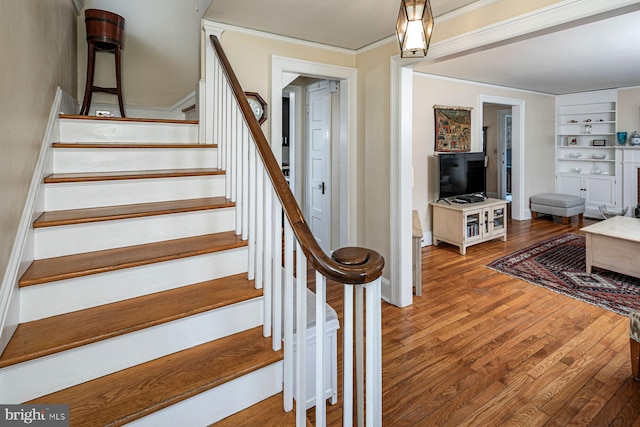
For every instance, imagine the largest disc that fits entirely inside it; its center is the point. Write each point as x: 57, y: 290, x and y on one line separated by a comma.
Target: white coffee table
x: 614, y: 244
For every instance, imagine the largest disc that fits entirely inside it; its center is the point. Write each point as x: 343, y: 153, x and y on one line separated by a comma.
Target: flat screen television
x: 461, y: 174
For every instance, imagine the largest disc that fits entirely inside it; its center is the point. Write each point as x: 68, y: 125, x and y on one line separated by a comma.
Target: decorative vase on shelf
x: 622, y: 138
x: 634, y: 139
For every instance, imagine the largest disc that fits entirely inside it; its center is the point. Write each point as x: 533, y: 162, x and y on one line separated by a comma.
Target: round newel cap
x: 351, y: 255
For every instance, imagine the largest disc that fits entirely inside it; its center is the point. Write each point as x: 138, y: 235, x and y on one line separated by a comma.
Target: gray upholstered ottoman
x: 634, y: 334
x: 564, y: 205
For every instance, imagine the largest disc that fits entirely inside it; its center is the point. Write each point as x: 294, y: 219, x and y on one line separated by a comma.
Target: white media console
x: 467, y: 224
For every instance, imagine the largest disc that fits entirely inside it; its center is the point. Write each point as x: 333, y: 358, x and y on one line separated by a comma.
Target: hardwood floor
x: 481, y: 348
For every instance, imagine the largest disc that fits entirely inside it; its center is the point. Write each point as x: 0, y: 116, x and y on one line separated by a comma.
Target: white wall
x: 538, y: 143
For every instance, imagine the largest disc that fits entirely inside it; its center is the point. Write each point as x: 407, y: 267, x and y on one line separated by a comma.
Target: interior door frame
x: 282, y: 71
x: 519, y: 207
x: 306, y: 192
x: 502, y: 152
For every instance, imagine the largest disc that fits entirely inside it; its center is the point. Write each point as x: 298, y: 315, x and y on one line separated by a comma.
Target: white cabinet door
x: 570, y: 184
x: 600, y: 190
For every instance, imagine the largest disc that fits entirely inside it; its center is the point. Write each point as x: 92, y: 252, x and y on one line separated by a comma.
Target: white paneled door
x: 318, y: 155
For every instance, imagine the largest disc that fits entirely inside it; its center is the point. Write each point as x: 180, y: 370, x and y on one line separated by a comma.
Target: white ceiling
x: 596, y: 55
x: 349, y: 24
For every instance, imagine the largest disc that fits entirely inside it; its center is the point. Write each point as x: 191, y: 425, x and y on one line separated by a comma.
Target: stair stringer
x: 22, y: 249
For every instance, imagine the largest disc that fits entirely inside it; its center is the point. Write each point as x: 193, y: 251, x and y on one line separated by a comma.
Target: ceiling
x: 595, y: 55
x: 349, y: 24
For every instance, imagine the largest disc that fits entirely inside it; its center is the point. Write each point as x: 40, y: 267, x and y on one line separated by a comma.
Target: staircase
x: 137, y: 308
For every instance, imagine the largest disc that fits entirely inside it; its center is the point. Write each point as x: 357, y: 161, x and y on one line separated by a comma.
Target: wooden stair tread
x: 108, y: 213
x: 270, y: 412
x: 121, y: 175
x: 127, y: 119
x: 78, y: 265
x: 130, y: 394
x: 130, y: 145
x: 59, y: 333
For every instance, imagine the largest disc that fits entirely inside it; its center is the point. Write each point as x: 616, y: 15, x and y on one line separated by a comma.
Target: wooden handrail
x: 352, y: 265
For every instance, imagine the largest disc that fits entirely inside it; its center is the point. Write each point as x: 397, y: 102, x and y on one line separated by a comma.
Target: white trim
x: 427, y: 239
x: 386, y: 290
x: 518, y: 145
x: 400, y: 154
x: 280, y: 38
x: 348, y: 103
x: 22, y: 252
x: 206, y: 102
x: 545, y: 18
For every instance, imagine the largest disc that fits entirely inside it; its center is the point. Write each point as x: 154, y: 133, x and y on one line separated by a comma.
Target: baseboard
x: 427, y: 239
x: 22, y: 252
x: 386, y: 290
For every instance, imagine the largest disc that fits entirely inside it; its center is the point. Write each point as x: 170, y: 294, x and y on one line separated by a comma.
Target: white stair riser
x: 113, y: 131
x: 220, y: 402
x: 73, y: 239
x: 75, y: 160
x: 58, y: 371
x: 51, y: 299
x: 111, y: 193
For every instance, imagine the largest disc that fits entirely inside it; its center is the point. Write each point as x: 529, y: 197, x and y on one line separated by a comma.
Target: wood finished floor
x: 480, y: 348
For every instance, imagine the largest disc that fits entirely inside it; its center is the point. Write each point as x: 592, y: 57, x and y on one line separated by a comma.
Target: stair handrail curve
x: 349, y: 265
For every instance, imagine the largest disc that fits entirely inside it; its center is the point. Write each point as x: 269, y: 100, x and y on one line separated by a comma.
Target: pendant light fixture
x: 414, y: 27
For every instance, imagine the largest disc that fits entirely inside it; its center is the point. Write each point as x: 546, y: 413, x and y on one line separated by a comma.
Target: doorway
x: 497, y: 135
x: 515, y: 155
x: 308, y: 111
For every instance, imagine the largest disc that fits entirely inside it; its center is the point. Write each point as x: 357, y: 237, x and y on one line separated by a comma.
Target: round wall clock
x: 258, y: 106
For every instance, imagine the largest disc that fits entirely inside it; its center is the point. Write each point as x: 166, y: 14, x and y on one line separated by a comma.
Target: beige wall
x: 38, y: 55
x: 538, y: 145
x: 374, y: 74
x: 160, y: 56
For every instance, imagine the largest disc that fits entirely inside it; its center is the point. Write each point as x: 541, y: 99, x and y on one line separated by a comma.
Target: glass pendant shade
x: 414, y: 27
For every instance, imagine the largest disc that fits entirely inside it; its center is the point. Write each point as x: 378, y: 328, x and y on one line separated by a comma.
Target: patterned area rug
x: 559, y: 264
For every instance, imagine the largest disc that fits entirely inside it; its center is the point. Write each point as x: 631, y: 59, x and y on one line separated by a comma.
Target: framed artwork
x: 453, y: 128
x: 572, y: 140
x: 599, y: 142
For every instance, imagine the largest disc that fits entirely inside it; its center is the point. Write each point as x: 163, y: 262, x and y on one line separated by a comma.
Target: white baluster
x: 245, y: 181
x: 301, y: 336
x: 289, y: 363
x: 233, y: 151
x: 277, y: 273
x: 228, y: 108
x: 239, y: 161
x: 359, y: 318
x: 347, y: 358
x: 321, y: 318
x: 374, y: 354
x: 259, y: 222
x: 251, y: 274
x: 268, y: 258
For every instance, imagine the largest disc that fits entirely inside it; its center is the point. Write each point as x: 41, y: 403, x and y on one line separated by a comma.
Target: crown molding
x: 271, y: 36
x: 535, y: 22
